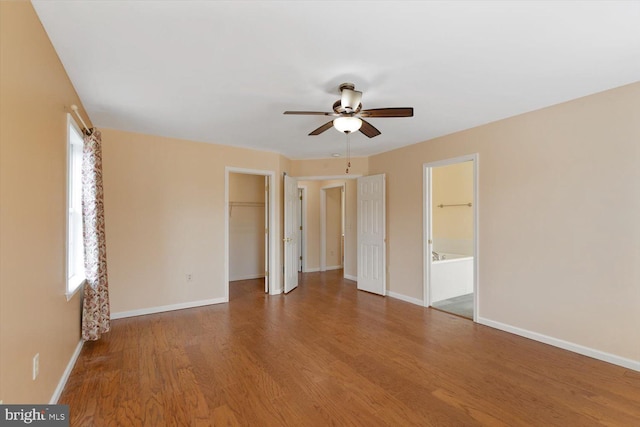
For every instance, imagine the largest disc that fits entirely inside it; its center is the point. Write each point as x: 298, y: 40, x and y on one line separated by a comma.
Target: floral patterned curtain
x: 95, y: 305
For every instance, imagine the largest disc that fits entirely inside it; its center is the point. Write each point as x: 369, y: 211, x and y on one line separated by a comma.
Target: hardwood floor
x: 326, y: 355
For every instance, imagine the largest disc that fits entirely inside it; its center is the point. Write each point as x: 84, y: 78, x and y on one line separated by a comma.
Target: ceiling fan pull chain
x: 348, y: 151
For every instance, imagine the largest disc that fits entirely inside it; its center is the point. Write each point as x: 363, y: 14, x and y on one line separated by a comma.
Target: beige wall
x: 559, y: 202
x: 452, y: 226
x: 246, y: 226
x: 311, y: 239
x: 165, y: 217
x: 332, y: 167
x: 35, y: 316
x: 351, y: 229
x: 333, y: 227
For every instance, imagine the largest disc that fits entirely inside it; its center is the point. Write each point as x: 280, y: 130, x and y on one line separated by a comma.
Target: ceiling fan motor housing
x: 349, y: 86
x: 350, y: 99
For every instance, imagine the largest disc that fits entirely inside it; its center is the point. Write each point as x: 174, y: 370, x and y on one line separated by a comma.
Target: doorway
x: 313, y: 189
x: 363, y: 227
x: 249, y: 219
x: 450, y: 238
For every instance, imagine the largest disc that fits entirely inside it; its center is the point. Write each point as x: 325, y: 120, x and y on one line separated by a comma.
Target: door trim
x: 273, y: 271
x: 426, y: 228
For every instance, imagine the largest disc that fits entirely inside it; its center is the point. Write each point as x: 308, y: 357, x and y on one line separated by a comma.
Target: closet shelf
x: 244, y: 205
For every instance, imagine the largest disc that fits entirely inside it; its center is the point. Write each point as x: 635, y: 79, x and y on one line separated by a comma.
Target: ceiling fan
x: 350, y: 115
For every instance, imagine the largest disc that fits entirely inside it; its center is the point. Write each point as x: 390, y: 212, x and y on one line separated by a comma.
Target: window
x: 75, y: 242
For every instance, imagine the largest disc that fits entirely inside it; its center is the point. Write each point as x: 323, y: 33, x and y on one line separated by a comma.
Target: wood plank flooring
x: 328, y: 355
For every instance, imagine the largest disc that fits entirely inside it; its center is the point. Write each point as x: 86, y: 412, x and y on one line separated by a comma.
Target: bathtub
x: 451, y: 276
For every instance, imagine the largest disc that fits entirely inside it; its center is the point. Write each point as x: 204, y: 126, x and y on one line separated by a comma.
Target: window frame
x: 74, y: 253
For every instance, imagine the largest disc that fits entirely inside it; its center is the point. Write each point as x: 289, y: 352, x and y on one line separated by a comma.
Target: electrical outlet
x: 36, y: 365
x: 189, y: 277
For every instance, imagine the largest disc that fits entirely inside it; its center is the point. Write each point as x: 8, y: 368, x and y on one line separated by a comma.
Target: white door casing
x: 428, y: 230
x: 372, y: 234
x: 291, y: 230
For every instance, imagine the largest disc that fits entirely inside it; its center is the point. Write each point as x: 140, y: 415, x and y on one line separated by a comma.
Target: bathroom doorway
x: 450, y: 224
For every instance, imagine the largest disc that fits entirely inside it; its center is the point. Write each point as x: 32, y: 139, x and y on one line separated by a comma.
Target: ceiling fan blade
x: 368, y: 129
x: 322, y: 128
x: 388, y: 112
x: 311, y: 113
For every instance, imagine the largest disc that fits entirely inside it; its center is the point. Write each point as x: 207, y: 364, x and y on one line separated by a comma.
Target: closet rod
x: 459, y: 204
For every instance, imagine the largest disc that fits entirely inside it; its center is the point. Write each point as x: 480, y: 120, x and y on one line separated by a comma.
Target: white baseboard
x: 333, y: 267
x: 566, y: 345
x: 65, y: 375
x: 163, y: 308
x: 405, y: 298
x: 311, y: 270
x: 247, y: 277
x: 350, y: 277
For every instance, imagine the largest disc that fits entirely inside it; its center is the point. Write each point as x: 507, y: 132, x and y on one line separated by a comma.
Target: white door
x: 290, y: 239
x: 301, y: 223
x: 371, y: 234
x: 266, y: 234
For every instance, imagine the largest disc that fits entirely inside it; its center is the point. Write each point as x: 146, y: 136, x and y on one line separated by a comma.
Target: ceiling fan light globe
x: 347, y: 124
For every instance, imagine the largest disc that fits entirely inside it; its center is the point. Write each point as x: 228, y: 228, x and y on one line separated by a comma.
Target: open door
x: 266, y: 234
x: 302, y: 226
x: 291, y: 229
x: 371, y: 234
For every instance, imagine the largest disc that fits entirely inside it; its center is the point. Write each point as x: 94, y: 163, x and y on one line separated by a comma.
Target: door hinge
x: 266, y: 231
x: 300, y: 227
x: 300, y: 257
x: 266, y: 274
x: 300, y: 198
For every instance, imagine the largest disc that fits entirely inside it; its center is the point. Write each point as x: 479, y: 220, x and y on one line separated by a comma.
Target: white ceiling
x: 224, y: 71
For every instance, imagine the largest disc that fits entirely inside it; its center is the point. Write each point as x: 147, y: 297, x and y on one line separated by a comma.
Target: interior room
x: 247, y: 223
x: 192, y: 116
x: 452, y: 224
